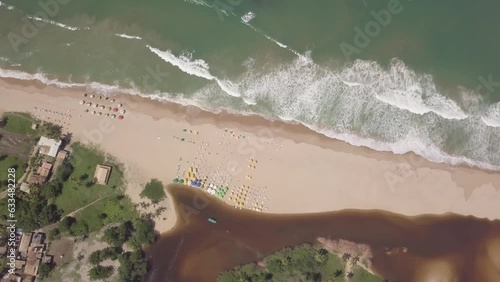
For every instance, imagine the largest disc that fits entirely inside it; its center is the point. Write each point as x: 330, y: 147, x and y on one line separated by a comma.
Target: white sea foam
x: 54, y: 23
x: 248, y: 17
x: 492, y: 116
x: 123, y: 35
x: 391, y: 109
x: 6, y: 6
x: 197, y: 2
x: 197, y: 68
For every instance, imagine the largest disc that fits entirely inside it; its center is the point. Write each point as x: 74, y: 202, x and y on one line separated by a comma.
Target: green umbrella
x: 175, y: 180
x: 181, y: 181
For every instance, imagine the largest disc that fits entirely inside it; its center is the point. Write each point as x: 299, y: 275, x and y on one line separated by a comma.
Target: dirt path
x: 48, y: 227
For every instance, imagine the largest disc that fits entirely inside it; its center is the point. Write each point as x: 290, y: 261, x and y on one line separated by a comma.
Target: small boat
x: 212, y: 220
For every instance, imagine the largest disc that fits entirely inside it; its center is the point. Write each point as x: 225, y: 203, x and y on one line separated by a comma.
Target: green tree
x: 100, y: 272
x: 44, y: 270
x: 143, y: 232
x: 51, y: 130
x: 117, y: 236
x: 79, y: 228
x: 66, y: 224
x: 64, y: 171
x: 154, y: 191
x: 95, y: 257
x: 133, y: 266
x: 111, y: 253
x: 54, y: 233
x: 51, y: 189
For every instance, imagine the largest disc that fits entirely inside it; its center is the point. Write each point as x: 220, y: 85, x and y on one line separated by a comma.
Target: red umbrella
x: 120, y: 117
x: 115, y: 110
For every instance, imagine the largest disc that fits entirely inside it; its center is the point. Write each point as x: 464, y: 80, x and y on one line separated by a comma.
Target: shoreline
x: 266, y: 139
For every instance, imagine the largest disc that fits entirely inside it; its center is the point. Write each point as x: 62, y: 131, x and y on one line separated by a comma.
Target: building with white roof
x: 48, y: 146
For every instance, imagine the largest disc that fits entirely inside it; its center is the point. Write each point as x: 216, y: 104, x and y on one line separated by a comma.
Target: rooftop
x: 101, y: 175
x: 25, y: 243
x: 44, y: 169
x: 49, y: 146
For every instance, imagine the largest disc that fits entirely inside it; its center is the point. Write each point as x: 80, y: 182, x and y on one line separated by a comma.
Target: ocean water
x: 400, y: 76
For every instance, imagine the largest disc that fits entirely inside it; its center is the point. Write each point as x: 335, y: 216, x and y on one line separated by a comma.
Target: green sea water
x: 399, y: 76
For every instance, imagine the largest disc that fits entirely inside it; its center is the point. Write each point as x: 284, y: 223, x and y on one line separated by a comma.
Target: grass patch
x: 154, y: 190
x: 19, y: 123
x: 77, y: 191
x: 110, y: 210
x: 7, y: 162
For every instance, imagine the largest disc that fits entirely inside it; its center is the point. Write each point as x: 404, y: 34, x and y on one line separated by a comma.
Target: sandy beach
x: 268, y: 166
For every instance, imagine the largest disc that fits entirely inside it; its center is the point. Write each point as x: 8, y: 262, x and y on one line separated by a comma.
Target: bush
x: 54, y: 234
x: 144, y: 233
x: 95, y: 257
x: 154, y: 190
x: 79, y: 228
x: 100, y: 272
x: 117, y: 236
x: 64, y: 171
x: 133, y: 266
x: 66, y: 223
x: 44, y: 269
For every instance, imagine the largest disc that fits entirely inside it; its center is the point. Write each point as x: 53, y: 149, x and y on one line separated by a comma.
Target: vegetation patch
x: 154, y: 191
x: 302, y: 263
x: 79, y: 188
x: 7, y: 162
x: 19, y: 123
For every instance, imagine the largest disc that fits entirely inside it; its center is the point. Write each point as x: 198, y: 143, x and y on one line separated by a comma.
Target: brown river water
x: 439, y: 248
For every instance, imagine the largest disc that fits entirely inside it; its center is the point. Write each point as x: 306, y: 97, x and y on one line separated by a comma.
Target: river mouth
x: 449, y: 248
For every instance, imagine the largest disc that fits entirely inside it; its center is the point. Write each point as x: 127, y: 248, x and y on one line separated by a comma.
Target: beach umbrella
x: 96, y: 105
x: 115, y: 110
x: 106, y: 115
x: 84, y: 95
x: 99, y: 113
x: 112, y: 100
x: 120, y: 117
x: 181, y: 181
x: 89, y: 104
x: 100, y: 97
x: 106, y: 98
x: 82, y: 102
x: 92, y: 96
x: 86, y: 110
x: 109, y: 108
x: 93, y: 112
x: 175, y: 180
x: 103, y: 107
x: 122, y: 111
x: 120, y: 105
x: 113, y: 116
